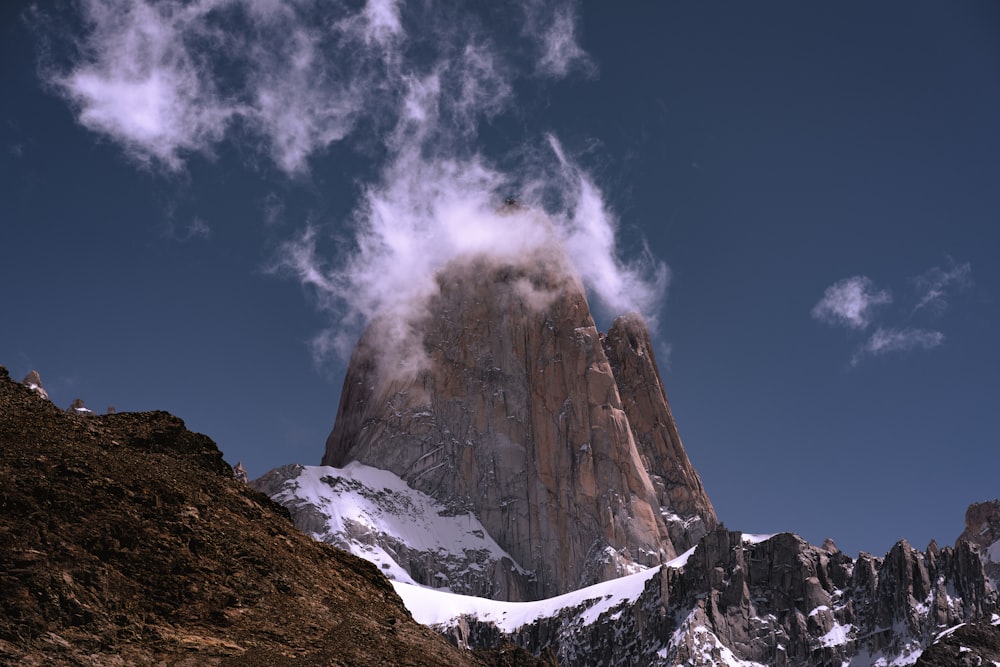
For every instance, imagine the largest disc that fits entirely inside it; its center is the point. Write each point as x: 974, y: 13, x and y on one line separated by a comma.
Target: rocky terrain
x: 732, y: 600
x: 512, y: 406
x: 125, y: 540
x: 513, y: 452
x: 512, y: 489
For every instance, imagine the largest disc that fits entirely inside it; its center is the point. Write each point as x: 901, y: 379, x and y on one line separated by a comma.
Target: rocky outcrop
x: 124, y: 540
x: 969, y: 645
x: 982, y: 529
x: 687, y: 510
x: 778, y: 602
x: 33, y: 381
x: 78, y: 407
x: 507, y: 406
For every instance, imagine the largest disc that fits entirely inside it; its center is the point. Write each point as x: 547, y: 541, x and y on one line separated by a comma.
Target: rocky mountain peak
x: 77, y: 407
x: 982, y: 530
x: 33, y: 381
x: 557, y: 438
x: 982, y: 524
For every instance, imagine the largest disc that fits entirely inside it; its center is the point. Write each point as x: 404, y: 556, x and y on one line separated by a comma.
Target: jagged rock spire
x: 33, y: 381
x: 514, y: 412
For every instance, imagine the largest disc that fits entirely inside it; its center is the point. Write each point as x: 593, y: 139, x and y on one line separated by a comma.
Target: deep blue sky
x: 765, y: 151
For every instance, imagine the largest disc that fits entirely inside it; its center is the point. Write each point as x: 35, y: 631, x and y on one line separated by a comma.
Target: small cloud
x: 936, y: 285
x: 560, y: 50
x: 884, y: 341
x: 850, y: 303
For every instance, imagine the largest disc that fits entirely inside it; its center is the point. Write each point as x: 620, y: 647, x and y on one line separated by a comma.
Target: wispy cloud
x: 167, y: 79
x: 850, y: 302
x: 554, y: 28
x: 936, y: 285
x: 883, y: 341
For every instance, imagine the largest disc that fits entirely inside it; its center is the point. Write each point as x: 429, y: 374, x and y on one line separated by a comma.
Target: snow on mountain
x: 442, y: 610
x: 734, y: 600
x: 377, y: 516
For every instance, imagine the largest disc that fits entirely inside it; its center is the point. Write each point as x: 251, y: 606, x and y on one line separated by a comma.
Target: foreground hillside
x: 125, y: 540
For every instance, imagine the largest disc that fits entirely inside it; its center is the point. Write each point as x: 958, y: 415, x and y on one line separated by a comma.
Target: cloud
x: 137, y: 81
x: 883, y: 341
x: 169, y: 79
x: 555, y: 28
x: 426, y: 214
x: 850, y: 303
x: 934, y: 286
x: 166, y: 79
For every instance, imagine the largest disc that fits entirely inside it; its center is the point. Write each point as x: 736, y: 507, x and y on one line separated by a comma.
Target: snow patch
x: 361, y: 507
x: 681, y: 560
x: 434, y: 607
x: 702, y: 645
x: 837, y: 635
x: 993, y: 552
x: 945, y: 633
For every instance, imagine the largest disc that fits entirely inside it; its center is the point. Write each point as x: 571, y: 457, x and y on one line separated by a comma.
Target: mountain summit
x: 508, y: 404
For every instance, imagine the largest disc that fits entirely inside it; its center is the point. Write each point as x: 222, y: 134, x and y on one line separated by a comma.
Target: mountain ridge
x: 125, y: 540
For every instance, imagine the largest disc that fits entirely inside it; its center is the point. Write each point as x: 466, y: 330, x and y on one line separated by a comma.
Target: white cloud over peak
x: 850, y: 302
x: 165, y: 79
x: 426, y: 214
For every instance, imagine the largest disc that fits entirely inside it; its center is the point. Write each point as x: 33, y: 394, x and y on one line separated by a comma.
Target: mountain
x: 125, y: 540
x: 510, y: 406
x: 733, y: 599
x: 520, y: 478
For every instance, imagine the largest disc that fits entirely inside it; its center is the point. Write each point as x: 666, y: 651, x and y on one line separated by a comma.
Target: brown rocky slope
x: 125, y: 540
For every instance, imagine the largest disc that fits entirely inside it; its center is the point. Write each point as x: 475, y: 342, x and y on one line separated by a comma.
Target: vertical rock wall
x: 512, y: 410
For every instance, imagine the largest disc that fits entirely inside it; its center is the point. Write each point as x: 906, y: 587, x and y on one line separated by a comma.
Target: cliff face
x: 513, y: 411
x: 747, y: 601
x: 678, y: 487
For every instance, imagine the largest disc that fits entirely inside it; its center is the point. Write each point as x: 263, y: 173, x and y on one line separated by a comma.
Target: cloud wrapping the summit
x: 166, y: 80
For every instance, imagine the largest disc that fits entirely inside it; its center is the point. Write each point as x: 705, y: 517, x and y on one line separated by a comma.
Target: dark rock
x: 971, y: 645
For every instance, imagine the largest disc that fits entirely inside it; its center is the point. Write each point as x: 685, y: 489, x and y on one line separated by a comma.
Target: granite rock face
x: 687, y: 510
x: 779, y: 602
x: 982, y: 529
x: 507, y: 406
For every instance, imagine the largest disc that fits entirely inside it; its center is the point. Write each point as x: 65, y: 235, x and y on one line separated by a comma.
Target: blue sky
x: 179, y: 210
